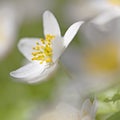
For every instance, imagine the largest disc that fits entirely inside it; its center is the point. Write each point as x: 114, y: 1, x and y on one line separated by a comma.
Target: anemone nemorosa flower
x: 43, y: 53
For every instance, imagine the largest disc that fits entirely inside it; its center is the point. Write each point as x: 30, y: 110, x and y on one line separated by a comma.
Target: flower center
x: 102, y: 59
x: 114, y: 2
x: 43, y: 51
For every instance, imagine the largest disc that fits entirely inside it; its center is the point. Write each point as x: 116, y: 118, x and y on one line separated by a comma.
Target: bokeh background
x: 22, y: 101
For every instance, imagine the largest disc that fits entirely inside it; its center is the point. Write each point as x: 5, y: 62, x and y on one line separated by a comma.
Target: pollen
x: 43, y: 51
x: 114, y: 2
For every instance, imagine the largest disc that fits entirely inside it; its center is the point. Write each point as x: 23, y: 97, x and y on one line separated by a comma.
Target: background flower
x: 96, y: 63
x: 66, y: 111
x: 8, y: 29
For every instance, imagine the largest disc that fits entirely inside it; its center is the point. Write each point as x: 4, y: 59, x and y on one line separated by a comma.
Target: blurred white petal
x: 94, y: 108
x: 103, y: 28
x: 8, y: 30
x: 106, y: 16
x: 86, y: 107
x: 65, y: 111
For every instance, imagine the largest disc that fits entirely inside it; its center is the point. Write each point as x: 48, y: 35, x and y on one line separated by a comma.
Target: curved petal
x: 28, y: 71
x: 26, y: 46
x: 45, y: 74
x: 94, y: 109
x: 33, y: 72
x: 58, y: 48
x: 71, y: 32
x: 50, y: 24
x: 86, y: 108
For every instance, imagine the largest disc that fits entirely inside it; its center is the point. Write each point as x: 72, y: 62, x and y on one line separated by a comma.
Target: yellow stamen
x: 114, y: 2
x: 48, y: 60
x: 43, y: 51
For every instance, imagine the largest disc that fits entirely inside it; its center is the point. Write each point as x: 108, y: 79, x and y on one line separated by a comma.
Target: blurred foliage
x: 115, y: 116
x: 109, y: 104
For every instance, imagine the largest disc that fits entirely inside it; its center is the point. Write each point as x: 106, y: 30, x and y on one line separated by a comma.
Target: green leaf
x: 115, y: 116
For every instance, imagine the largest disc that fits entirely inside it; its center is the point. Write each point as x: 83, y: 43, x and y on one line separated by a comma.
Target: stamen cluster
x: 43, y: 50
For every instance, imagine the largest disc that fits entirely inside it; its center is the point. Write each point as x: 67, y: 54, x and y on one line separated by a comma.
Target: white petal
x: 33, y: 72
x: 58, y: 48
x: 45, y: 74
x: 26, y: 46
x: 86, y: 107
x: 103, y: 27
x: 50, y: 24
x: 100, y: 28
x: 94, y: 109
x: 28, y: 71
x: 71, y: 32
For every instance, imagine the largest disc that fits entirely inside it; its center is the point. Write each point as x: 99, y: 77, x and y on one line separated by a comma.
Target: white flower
x: 65, y: 111
x: 89, y: 8
x: 43, y: 54
x: 8, y: 27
